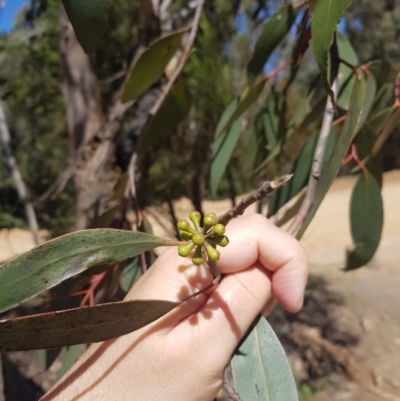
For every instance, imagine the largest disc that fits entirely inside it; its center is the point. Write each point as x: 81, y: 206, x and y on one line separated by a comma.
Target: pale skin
x: 182, y: 356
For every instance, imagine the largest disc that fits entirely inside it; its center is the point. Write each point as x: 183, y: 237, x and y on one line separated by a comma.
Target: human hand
x: 182, y: 355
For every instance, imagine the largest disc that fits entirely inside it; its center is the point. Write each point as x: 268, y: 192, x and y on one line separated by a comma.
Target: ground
x: 346, y: 341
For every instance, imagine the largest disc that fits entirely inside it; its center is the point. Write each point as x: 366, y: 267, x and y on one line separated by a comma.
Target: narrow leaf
x: 48, y: 265
x: 301, y: 171
x: 261, y: 371
x: 88, y: 324
x: 326, y: 15
x: 383, y: 71
x: 104, y: 220
x: 272, y: 35
x: 370, y: 89
x: 119, y: 188
x: 223, y: 148
x: 131, y: 273
x: 331, y: 163
x: 366, y: 218
x: 249, y: 96
x: 364, y: 142
x: 174, y: 110
x: 89, y: 20
x: 151, y: 65
x: 69, y: 359
x: 346, y: 75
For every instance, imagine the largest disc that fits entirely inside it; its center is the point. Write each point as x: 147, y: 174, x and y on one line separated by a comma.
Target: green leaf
x: 89, y: 20
x: 104, y: 220
x: 366, y: 218
x: 346, y: 75
x: 301, y: 172
x: 120, y: 187
x: 249, y: 96
x: 364, y: 142
x: 131, y: 273
x: 69, y: 359
x: 331, y: 163
x: 260, y: 369
x: 382, y: 97
x: 314, y: 115
x: 273, y: 33
x: 223, y: 147
x: 174, y: 110
x: 274, y: 118
x: 275, y: 130
x: 57, y: 260
x: 383, y: 71
x: 48, y: 356
x: 151, y: 65
x: 383, y: 124
x: 87, y: 324
x: 326, y: 15
x: 257, y: 148
x: 370, y: 90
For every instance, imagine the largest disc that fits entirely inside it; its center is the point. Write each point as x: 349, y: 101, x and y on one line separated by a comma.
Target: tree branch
x: 265, y: 189
x: 317, y: 164
x: 17, y: 178
x: 322, y: 140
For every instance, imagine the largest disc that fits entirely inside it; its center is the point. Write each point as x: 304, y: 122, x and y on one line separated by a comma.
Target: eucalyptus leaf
x: 272, y: 35
x: 89, y: 20
x: 366, y: 218
x: 260, y: 368
x: 86, y: 324
x: 173, y: 110
x: 326, y: 15
x: 69, y: 359
x: 151, y: 65
x: 223, y: 148
x: 249, y: 96
x: 346, y: 75
x: 57, y: 260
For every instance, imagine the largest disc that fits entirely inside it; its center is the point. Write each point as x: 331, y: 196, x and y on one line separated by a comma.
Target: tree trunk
x: 17, y: 178
x: 86, y: 124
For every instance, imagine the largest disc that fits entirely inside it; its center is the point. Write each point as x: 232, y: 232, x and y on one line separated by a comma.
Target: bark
x: 17, y: 178
x: 93, y: 135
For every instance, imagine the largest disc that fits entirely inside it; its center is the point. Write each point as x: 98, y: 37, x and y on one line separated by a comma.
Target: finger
x: 253, y: 238
x: 227, y: 314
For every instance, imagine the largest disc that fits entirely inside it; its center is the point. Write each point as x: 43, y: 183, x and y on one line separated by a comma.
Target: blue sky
x: 8, y: 13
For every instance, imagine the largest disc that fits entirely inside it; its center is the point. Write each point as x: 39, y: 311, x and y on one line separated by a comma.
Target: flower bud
x: 219, y: 229
x: 195, y: 217
x: 186, y: 236
x: 183, y: 225
x: 198, y: 239
x: 210, y: 219
x: 220, y: 240
x: 185, y: 249
x: 197, y: 257
x: 212, y: 253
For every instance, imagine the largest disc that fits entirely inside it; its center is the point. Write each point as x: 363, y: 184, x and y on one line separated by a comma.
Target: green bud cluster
x: 203, y: 239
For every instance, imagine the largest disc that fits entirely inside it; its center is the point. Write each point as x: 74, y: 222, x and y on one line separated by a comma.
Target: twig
x: 265, y: 189
x: 319, y: 151
x: 186, y: 53
x: 317, y: 163
x: 17, y: 178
